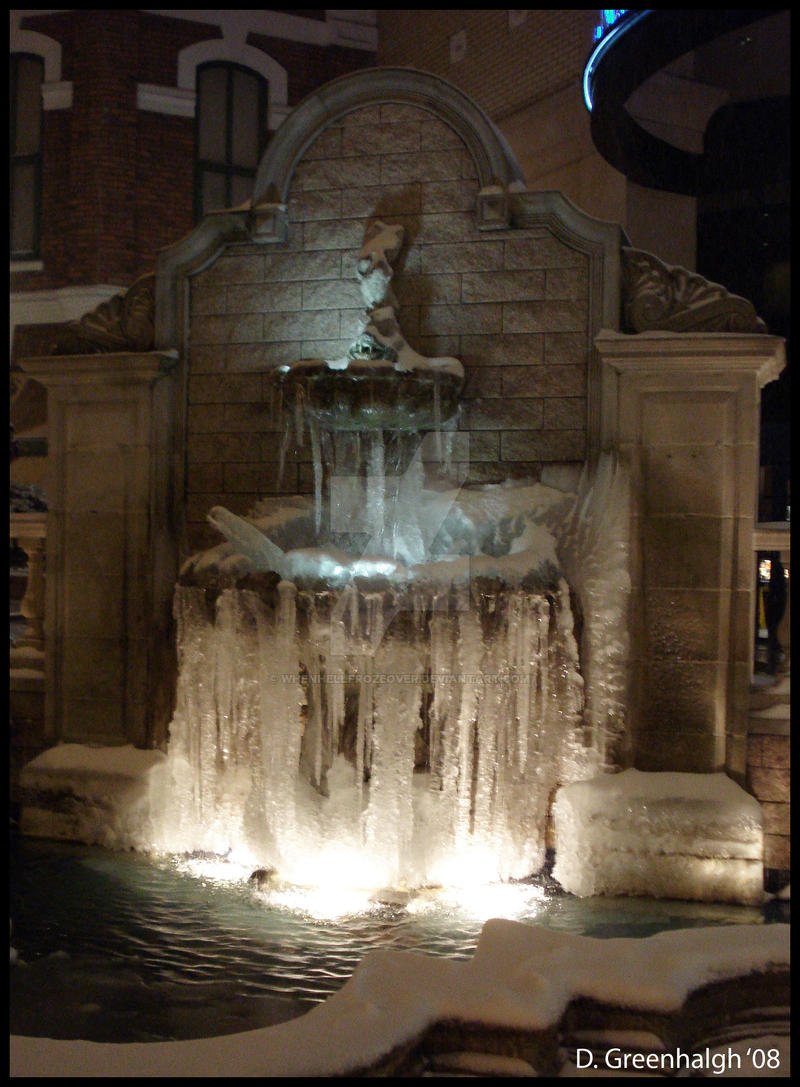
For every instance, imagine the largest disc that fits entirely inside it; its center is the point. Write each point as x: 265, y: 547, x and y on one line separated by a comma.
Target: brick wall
x: 768, y: 779
x: 117, y: 182
x: 310, y: 66
x: 504, y: 68
x: 511, y: 304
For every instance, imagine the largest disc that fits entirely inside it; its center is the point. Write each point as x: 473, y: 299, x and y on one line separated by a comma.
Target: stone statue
x: 381, y: 339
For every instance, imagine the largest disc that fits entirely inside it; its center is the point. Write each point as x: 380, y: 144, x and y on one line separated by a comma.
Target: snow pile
x: 521, y: 977
x: 98, y: 795
x: 665, y: 835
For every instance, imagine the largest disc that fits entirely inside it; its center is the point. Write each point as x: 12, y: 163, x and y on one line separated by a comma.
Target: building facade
x: 121, y: 134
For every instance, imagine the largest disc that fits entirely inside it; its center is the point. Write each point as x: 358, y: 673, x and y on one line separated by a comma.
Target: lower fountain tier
x: 407, y: 732
x: 371, y: 395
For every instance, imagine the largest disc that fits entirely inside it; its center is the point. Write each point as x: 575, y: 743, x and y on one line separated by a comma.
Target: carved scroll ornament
x: 125, y: 322
x: 658, y: 296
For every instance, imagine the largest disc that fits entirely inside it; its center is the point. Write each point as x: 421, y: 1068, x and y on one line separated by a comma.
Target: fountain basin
x: 371, y: 394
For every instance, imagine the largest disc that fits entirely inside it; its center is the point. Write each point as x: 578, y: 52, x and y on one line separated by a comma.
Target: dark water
x: 121, y: 947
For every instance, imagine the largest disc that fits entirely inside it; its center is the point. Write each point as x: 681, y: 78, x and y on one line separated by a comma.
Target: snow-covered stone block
x: 663, y: 835
x: 97, y: 795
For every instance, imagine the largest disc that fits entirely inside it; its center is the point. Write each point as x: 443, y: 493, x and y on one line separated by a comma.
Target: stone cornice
x: 125, y: 366
x: 655, y: 350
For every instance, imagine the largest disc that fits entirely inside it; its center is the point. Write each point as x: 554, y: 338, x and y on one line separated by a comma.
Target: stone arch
x: 494, y: 160
x: 30, y: 41
x: 234, y: 51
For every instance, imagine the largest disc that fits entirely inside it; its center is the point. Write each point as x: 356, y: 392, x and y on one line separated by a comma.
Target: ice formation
x: 383, y: 686
x: 668, y: 835
x: 359, y: 718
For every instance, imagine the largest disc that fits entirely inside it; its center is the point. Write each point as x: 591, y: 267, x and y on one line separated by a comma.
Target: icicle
x: 363, y: 723
x: 317, y: 458
x: 437, y: 419
x: 284, y: 447
x: 299, y: 416
x: 376, y: 489
x: 449, y: 436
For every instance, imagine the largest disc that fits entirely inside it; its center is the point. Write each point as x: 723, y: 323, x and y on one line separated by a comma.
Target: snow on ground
x: 521, y: 976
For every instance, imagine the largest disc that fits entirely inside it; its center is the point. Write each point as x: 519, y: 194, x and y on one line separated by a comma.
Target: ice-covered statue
x: 366, y: 415
x: 382, y: 338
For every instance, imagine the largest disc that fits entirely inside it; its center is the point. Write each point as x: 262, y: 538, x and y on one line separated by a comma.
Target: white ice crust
x: 672, y: 835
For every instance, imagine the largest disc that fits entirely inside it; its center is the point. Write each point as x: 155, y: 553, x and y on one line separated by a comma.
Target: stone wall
x: 515, y: 305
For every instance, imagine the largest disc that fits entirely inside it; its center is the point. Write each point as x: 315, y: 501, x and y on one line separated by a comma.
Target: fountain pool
x: 121, y: 947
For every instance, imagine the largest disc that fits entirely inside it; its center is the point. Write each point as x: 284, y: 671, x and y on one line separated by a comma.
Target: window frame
x: 229, y: 170
x: 30, y: 158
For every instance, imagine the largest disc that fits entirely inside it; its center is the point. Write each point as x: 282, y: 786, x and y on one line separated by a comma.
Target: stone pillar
x: 30, y: 530
x: 110, y: 544
x: 682, y: 410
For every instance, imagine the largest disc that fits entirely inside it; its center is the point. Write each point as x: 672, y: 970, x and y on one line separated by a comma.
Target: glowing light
x: 335, y: 869
x: 215, y: 869
x: 612, y: 34
x: 481, y: 902
x: 608, y: 16
x: 321, y: 903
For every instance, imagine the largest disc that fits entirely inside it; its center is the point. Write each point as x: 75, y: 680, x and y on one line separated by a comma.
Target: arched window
x: 25, y: 159
x: 230, y: 135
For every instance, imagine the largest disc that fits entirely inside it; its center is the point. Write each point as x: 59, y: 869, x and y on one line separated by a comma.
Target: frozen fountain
x: 383, y: 686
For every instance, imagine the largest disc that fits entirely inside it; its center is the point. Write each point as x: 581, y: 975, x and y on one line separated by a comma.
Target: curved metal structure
x: 640, y: 44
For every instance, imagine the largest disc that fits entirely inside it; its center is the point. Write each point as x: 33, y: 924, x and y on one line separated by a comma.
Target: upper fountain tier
x: 381, y: 383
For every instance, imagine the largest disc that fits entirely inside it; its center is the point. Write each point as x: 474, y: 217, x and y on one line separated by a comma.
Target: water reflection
x: 121, y: 947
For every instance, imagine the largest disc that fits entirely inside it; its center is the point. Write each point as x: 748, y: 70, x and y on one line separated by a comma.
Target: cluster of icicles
x: 392, y: 739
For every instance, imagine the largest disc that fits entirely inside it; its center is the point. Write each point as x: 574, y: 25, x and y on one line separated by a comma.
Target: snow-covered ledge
x: 96, y: 795
x: 519, y: 1006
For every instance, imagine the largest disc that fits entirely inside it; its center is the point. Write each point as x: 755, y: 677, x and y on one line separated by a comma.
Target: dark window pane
x: 213, y: 194
x: 212, y: 113
x: 28, y: 105
x: 23, y: 207
x: 241, y: 189
x: 230, y: 135
x: 245, y: 120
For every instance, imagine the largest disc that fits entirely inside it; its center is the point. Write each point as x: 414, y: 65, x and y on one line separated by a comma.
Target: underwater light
x: 214, y: 869
x: 321, y: 903
x: 481, y: 902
